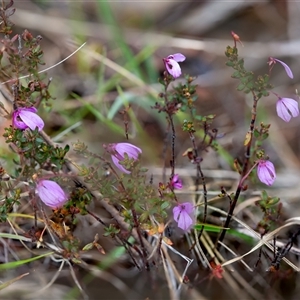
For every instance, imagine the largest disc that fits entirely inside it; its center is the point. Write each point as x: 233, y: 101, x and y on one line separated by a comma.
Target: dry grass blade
x: 265, y: 241
x: 8, y: 283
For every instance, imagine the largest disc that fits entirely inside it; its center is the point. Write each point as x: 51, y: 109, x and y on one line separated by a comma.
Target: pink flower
x: 272, y: 62
x: 51, y: 193
x: 266, y: 172
x: 171, y: 64
x: 26, y: 117
x: 118, y: 151
x: 287, y: 108
x: 176, y: 182
x: 181, y: 214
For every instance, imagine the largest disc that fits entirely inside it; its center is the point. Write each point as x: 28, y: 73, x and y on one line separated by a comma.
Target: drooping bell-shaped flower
x: 51, y: 193
x: 181, y: 214
x: 176, y: 182
x: 266, y: 172
x: 26, y: 117
x: 118, y: 151
x: 287, y: 108
x: 172, y: 64
x: 272, y: 62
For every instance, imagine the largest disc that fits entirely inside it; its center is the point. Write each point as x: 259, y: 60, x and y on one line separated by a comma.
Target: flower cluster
x: 26, y: 117
x: 286, y: 109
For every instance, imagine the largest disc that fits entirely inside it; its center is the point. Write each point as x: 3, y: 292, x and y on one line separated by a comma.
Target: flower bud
x: 51, y: 193
x: 118, y: 151
x: 266, y: 172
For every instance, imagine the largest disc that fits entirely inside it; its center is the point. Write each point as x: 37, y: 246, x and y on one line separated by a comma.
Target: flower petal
x: 118, y: 150
x: 286, y: 67
x: 188, y: 207
x: 177, y: 57
x: 131, y: 150
x: 181, y: 214
x: 292, y: 106
x: 176, y: 182
x: 287, y: 108
x: 176, y: 212
x: 282, y: 111
x: 117, y: 164
x: 184, y: 221
x: 32, y: 109
x: 31, y: 119
x: 266, y: 172
x: 17, y: 122
x: 173, y: 68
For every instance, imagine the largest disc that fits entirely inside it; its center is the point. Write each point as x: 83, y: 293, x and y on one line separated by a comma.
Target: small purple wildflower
x: 172, y: 64
x: 118, y: 151
x: 266, y: 172
x: 181, y: 214
x: 272, y: 62
x: 26, y: 117
x: 287, y: 108
x: 51, y: 193
x: 176, y: 182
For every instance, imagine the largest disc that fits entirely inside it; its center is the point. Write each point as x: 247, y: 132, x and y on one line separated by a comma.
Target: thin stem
x: 164, y: 176
x: 137, y: 226
x: 96, y: 217
x: 173, y: 145
x: 248, y: 143
x: 200, y: 175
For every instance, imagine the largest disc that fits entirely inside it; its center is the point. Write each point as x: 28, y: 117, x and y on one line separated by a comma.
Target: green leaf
x: 15, y: 237
x: 240, y: 87
x: 246, y: 238
x: 164, y: 205
x: 256, y: 133
x: 88, y: 247
x: 236, y: 74
x: 265, y: 93
x: 229, y: 64
x: 15, y: 264
x: 209, y: 227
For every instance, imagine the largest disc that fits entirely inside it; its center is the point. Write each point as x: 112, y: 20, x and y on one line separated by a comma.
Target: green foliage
x: 35, y: 150
x: 248, y: 83
x: 12, y: 198
x: 271, y: 208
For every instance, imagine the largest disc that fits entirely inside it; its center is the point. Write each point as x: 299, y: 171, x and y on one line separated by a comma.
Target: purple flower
x: 51, y: 193
x: 171, y: 64
x: 272, y: 62
x: 26, y: 117
x: 287, y: 108
x: 181, y: 214
x: 266, y: 172
x: 176, y: 182
x: 118, y: 151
